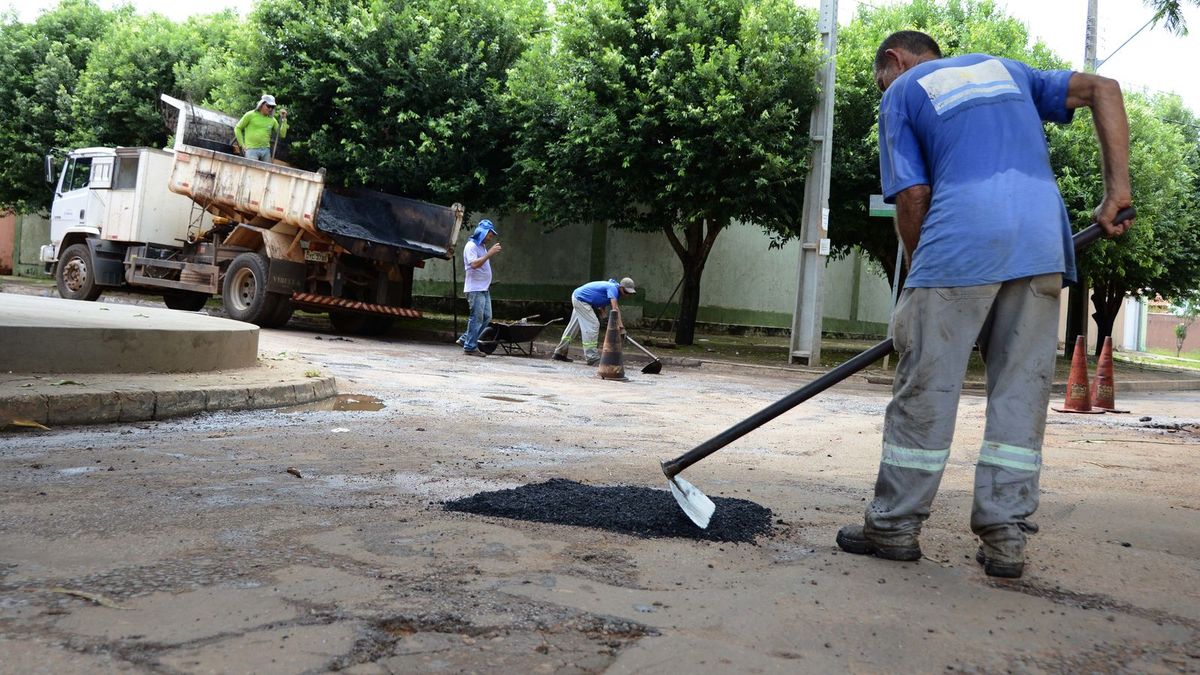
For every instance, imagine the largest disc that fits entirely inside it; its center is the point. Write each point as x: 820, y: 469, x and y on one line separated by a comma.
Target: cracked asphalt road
x: 187, y: 546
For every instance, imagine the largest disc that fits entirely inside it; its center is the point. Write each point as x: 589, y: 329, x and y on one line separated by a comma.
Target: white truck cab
x: 78, y: 199
x: 105, y: 200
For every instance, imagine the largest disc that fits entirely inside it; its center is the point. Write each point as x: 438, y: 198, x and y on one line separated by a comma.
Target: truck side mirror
x: 49, y: 169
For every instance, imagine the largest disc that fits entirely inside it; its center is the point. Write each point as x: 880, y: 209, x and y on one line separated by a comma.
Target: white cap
x: 627, y: 284
x: 268, y: 99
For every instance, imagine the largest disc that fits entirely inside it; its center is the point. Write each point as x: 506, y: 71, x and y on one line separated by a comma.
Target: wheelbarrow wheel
x: 488, y: 341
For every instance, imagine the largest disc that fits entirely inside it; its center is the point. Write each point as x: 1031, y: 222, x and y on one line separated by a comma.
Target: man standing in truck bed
x: 253, y: 131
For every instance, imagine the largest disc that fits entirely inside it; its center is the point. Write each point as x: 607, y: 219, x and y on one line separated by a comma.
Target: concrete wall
x: 1160, y: 333
x: 745, y: 283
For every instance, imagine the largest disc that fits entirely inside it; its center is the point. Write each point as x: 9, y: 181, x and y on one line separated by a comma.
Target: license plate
x: 316, y: 256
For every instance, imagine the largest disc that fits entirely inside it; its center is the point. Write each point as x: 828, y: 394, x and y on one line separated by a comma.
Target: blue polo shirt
x: 970, y: 127
x: 598, y: 293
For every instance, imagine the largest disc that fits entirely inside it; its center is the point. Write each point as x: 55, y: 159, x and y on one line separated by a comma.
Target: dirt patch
x: 451, y: 643
x: 638, y: 511
x: 1091, y: 601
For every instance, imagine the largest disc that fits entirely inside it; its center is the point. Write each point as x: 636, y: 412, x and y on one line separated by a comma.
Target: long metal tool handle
x: 672, y: 467
x: 644, y: 350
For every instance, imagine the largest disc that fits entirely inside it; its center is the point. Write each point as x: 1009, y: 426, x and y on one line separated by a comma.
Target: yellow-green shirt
x: 254, y: 129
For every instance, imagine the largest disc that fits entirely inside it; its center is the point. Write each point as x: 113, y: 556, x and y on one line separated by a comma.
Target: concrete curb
x: 136, y: 405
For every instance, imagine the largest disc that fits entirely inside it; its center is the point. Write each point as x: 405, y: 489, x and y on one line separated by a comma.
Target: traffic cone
x: 612, y: 362
x: 1104, y: 389
x: 1078, y: 397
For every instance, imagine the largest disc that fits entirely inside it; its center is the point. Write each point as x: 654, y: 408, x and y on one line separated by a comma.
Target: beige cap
x: 627, y: 285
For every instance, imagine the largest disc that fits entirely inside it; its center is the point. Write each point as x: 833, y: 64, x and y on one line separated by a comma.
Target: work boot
x: 562, y: 357
x: 474, y: 352
x: 1002, y: 552
x: 854, y: 539
x: 592, y: 362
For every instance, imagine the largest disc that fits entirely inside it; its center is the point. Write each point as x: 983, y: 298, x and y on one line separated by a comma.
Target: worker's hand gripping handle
x: 672, y: 467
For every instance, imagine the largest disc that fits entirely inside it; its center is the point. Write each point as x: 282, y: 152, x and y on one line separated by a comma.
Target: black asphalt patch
x: 639, y: 511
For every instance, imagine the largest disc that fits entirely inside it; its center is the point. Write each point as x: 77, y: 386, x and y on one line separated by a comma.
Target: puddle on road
x: 637, y: 511
x: 507, y: 399
x: 341, y: 403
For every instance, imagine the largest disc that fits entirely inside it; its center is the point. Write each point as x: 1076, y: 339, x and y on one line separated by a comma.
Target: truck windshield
x: 79, y: 170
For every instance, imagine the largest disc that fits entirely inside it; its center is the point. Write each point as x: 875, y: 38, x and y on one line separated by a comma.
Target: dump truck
x: 196, y: 220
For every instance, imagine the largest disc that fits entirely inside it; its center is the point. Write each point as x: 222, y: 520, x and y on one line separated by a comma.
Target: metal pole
x: 814, y: 223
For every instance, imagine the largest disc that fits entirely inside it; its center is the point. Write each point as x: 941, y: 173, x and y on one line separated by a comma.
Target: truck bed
x: 367, y: 223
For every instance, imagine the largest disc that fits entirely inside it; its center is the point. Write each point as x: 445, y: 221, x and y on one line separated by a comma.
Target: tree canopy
x: 401, y: 97
x: 39, y: 67
x: 680, y: 116
x: 1161, y: 253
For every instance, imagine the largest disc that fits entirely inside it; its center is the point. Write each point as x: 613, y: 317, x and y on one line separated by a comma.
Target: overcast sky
x: 1154, y: 60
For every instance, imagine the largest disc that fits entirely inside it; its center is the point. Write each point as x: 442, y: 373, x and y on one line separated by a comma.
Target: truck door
x: 71, y: 199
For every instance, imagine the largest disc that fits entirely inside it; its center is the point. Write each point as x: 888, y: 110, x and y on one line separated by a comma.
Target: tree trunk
x: 689, y: 306
x: 1107, y: 302
x: 692, y: 251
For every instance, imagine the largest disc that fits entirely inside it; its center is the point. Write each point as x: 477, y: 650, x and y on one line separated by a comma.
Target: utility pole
x: 1077, y: 302
x: 814, y: 220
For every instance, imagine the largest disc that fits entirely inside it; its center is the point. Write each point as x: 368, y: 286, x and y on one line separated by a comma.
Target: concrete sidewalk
x: 70, y: 362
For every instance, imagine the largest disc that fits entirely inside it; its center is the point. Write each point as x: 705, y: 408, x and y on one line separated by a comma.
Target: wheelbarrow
x: 513, y: 337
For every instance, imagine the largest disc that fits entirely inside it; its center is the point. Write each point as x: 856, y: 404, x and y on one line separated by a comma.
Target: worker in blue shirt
x: 963, y: 155
x: 586, y: 300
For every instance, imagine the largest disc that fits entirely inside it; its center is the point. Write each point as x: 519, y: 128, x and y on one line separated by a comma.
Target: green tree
x: 138, y: 58
x: 959, y: 27
x: 39, y: 67
x: 1170, y: 12
x: 679, y: 116
x: 401, y: 97
x: 1161, y: 253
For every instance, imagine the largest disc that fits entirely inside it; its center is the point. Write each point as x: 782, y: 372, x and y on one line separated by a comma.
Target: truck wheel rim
x: 75, y: 274
x: 245, y: 289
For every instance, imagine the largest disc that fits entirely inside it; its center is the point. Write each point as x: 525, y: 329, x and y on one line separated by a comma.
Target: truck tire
x: 359, y: 324
x: 75, y: 275
x: 244, y: 292
x: 283, y: 313
x: 186, y: 301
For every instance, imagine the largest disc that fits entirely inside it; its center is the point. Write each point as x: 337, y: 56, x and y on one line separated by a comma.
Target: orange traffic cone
x: 1104, y: 389
x: 612, y: 362
x: 1078, y: 399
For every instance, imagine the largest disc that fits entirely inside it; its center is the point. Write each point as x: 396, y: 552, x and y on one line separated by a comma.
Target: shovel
x: 652, y: 368
x: 699, y: 507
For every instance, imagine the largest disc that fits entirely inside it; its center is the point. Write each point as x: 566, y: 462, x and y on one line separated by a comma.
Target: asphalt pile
x: 638, y: 511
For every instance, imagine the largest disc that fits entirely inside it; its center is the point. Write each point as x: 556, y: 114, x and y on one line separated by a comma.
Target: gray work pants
x: 583, y: 322
x: 1015, y: 324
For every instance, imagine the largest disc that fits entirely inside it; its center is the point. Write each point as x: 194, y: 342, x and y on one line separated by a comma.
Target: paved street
x: 188, y: 546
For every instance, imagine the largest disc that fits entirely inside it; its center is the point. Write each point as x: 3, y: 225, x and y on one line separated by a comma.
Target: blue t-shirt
x: 970, y: 127
x: 598, y: 293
